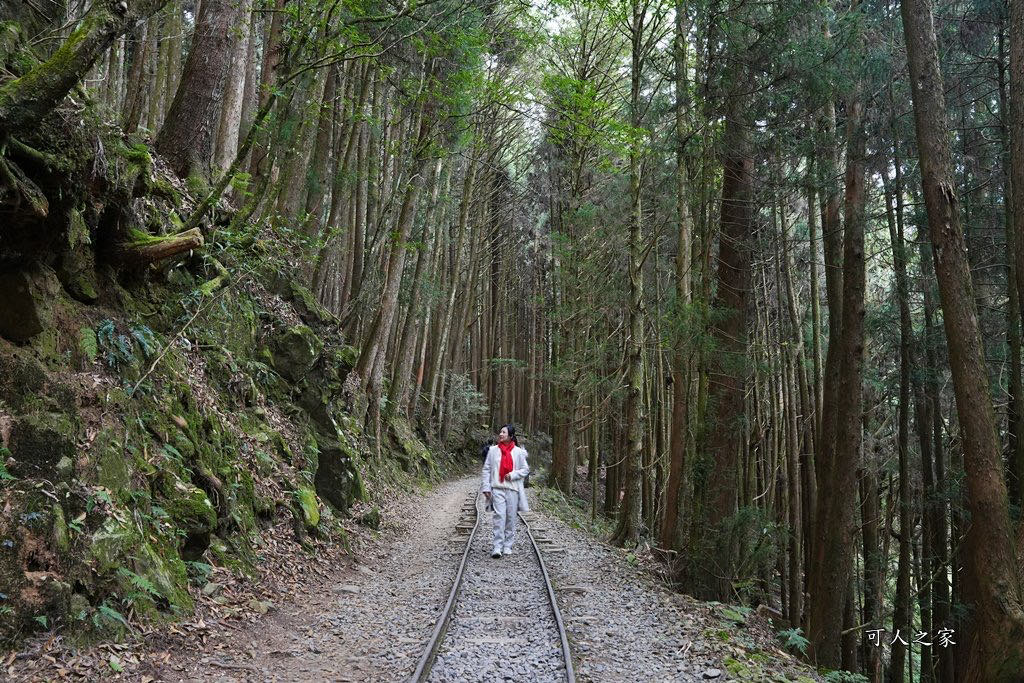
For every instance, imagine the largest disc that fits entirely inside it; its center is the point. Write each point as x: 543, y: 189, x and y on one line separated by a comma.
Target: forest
x: 747, y: 273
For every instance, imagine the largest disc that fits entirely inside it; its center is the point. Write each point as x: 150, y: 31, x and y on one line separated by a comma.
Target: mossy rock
x: 117, y: 546
x: 61, y: 540
x: 306, y: 500
x: 306, y: 305
x: 22, y: 310
x: 24, y: 378
x: 281, y: 448
x: 337, y: 479
x: 295, y: 351
x: 411, y: 449
x: 167, y: 573
x: 77, y: 269
x: 339, y: 362
x: 113, y: 468
x: 39, y: 440
x: 136, y: 175
x: 231, y: 325
x: 371, y: 518
x: 192, y: 512
x: 316, y: 397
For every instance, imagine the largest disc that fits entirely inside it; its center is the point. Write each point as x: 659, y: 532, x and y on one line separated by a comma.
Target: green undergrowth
x: 749, y: 653
x: 163, y: 428
x: 573, y: 511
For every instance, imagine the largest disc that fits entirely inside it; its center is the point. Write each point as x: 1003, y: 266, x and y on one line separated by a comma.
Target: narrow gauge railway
x: 501, y: 620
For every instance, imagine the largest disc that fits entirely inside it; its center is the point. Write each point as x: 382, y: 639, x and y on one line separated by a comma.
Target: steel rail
x: 570, y: 674
x: 430, y: 653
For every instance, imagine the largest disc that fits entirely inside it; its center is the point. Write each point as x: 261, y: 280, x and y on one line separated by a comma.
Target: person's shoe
x: 506, y: 551
x: 496, y: 553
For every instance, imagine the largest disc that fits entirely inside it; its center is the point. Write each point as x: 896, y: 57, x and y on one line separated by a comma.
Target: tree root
x: 49, y: 161
x: 215, y: 283
x: 23, y: 189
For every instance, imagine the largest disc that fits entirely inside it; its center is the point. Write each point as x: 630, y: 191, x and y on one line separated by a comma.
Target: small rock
x: 371, y: 518
x: 347, y: 588
x: 712, y: 673
x: 260, y: 606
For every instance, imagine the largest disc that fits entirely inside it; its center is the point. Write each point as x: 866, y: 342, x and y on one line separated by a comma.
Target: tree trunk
x: 873, y: 560
x: 234, y: 92
x: 676, y: 490
x: 1013, y: 190
x: 832, y: 554
x: 992, y: 579
x: 135, y: 92
x: 629, y: 526
x: 902, y: 602
x: 727, y: 363
x: 186, y: 140
x: 399, y: 395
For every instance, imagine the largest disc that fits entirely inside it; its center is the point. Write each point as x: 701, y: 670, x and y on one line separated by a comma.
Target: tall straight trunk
x: 930, y: 430
x: 399, y: 394
x: 1016, y: 129
x: 318, y: 171
x: 135, y: 92
x: 794, y: 521
x: 563, y: 460
x: 377, y: 338
x: 448, y: 303
x: 873, y: 560
x: 250, y: 96
x: 157, y: 72
x: 186, y: 139
x: 814, y: 415
x: 295, y: 138
x: 832, y: 241
x: 234, y: 91
x: 272, y: 53
x: 629, y: 526
x: 727, y: 365
x: 832, y: 554
x: 924, y: 601
x: 902, y: 603
x: 1013, y: 162
x: 991, y: 575
x: 676, y: 490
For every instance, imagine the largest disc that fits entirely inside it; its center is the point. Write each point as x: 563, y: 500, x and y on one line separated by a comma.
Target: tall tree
x: 189, y: 132
x: 992, y: 575
x: 832, y: 552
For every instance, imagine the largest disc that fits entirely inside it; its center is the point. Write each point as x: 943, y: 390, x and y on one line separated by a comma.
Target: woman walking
x: 502, y: 484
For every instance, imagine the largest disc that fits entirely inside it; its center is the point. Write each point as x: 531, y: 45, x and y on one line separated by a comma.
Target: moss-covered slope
x: 149, y: 433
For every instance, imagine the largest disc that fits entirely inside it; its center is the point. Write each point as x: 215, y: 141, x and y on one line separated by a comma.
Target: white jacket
x: 514, y: 480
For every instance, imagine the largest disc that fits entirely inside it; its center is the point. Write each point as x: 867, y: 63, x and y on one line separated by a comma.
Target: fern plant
x: 793, y: 639
x: 107, y: 613
x: 141, y: 583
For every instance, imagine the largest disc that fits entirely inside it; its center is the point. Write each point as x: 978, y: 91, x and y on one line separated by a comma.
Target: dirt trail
x: 369, y: 623
x: 366, y: 616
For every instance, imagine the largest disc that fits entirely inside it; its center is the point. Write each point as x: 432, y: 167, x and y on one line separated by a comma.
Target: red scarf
x: 507, y: 465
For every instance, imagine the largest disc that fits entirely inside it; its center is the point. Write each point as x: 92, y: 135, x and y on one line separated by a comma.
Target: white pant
x: 506, y: 506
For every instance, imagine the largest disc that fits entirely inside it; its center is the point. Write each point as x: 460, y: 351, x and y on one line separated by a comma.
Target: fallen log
x: 147, y: 249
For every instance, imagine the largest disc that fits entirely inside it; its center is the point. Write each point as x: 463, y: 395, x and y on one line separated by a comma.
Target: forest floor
x: 366, y: 614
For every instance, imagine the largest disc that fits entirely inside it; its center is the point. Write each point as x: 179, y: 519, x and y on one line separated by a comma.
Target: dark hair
x: 511, y: 433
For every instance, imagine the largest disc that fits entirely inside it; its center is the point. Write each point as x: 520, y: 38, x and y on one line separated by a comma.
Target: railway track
x: 501, y: 620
